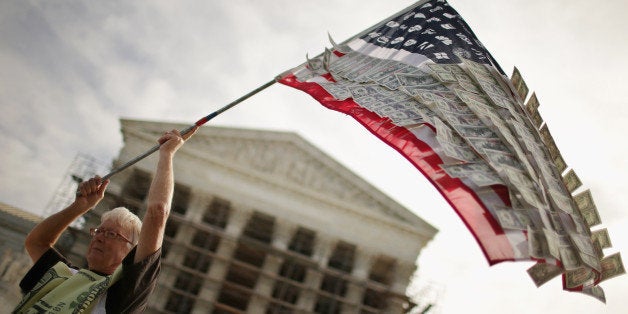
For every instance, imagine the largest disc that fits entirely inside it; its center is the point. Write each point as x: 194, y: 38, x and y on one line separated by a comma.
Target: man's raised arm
x: 160, y: 195
x: 46, y: 233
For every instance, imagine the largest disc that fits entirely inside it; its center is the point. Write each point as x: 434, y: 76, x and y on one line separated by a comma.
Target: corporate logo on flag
x: 433, y: 30
x: 423, y: 83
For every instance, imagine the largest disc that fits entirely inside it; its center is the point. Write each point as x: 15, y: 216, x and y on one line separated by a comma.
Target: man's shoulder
x: 48, y: 260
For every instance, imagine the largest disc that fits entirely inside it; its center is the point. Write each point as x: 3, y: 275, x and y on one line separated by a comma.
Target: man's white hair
x: 126, y: 219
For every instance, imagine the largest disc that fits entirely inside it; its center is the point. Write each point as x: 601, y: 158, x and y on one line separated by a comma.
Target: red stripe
x: 486, y: 230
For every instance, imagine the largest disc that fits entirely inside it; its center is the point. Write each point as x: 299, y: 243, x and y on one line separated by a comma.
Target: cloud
x: 71, y: 69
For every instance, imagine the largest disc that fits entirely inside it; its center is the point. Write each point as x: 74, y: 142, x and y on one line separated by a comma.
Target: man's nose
x: 100, y: 237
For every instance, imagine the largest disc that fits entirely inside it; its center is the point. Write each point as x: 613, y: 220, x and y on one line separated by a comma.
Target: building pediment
x: 287, y: 158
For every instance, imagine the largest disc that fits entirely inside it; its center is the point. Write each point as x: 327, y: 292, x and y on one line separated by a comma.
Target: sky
x: 70, y: 70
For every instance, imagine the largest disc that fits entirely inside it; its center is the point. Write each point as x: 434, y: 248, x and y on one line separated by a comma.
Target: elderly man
x: 123, y: 256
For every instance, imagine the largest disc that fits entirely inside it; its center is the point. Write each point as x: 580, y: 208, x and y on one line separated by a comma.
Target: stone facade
x: 14, y: 261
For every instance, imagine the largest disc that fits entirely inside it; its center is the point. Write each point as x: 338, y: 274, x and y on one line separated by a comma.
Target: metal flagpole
x: 187, y: 130
x: 237, y: 101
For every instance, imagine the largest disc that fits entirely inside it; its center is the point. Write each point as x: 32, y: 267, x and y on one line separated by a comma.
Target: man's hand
x: 91, y: 192
x: 171, y: 141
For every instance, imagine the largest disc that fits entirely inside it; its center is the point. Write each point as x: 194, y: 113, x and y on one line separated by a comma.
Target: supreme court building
x: 264, y: 222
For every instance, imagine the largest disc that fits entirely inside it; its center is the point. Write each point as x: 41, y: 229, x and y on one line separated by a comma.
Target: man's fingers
x: 103, y: 186
x: 190, y: 133
x: 93, y: 185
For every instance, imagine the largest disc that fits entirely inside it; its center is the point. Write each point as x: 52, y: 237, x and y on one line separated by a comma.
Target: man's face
x: 105, y: 254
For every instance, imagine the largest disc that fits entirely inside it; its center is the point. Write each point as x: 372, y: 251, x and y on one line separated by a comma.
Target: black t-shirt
x: 128, y: 295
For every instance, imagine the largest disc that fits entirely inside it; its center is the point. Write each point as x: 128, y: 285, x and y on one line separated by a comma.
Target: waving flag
x: 423, y: 83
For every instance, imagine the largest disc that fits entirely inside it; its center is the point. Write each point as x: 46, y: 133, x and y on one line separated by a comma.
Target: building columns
x: 264, y: 286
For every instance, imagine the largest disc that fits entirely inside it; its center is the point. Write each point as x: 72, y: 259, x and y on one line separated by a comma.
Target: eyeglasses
x: 109, y: 234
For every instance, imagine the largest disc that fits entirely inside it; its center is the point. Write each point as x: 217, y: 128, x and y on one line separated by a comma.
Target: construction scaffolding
x: 82, y: 168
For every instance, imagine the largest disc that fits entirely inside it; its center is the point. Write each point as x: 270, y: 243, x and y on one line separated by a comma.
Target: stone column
x: 197, y: 205
x: 322, y: 250
x: 401, y: 279
x: 307, y: 298
x: 284, y: 230
x: 237, y: 222
x: 355, y: 291
x: 224, y: 254
x: 264, y: 286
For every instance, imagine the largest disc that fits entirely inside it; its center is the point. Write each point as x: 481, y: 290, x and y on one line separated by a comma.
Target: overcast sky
x: 69, y: 70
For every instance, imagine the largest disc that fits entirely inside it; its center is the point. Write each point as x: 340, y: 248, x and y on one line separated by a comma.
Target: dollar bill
x: 469, y: 86
x: 601, y: 236
x: 379, y: 65
x: 531, y: 197
x: 596, y: 292
x: 591, y: 217
x: 453, y: 106
x: 553, y: 242
x: 386, y: 69
x: 339, y: 90
x: 537, y: 243
x: 599, y: 252
x: 464, y: 119
x: 578, y: 277
x: 463, y: 153
x: 504, y: 102
x: 535, y: 117
x: 495, y: 92
x: 347, y: 62
x: 593, y: 261
x: 558, y: 222
x: 584, y: 200
x: 397, y: 109
x: 560, y: 201
x: 445, y: 72
x: 581, y: 225
x: 612, y: 266
x: 533, y: 103
x: 478, y: 173
x: 444, y: 76
x: 520, y: 85
x: 416, y: 78
x: 475, y: 131
x: 569, y: 258
x: 471, y: 98
x: 477, y: 69
x: 583, y: 243
x: 547, y: 138
x: 427, y: 90
x: 391, y: 81
x: 490, y: 146
x: 560, y: 163
x: 463, y: 77
x: 572, y: 181
x: 406, y: 116
x: 518, y: 178
x: 500, y: 159
x: 543, y: 272
x: 508, y: 220
x: 354, y: 73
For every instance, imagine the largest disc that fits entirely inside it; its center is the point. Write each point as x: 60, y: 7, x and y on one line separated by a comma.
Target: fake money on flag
x: 423, y: 83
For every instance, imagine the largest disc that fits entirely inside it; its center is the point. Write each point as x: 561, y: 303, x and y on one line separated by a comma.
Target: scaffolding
x: 82, y: 168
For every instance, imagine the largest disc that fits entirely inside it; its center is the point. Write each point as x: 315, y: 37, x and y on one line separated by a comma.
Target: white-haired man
x: 123, y: 256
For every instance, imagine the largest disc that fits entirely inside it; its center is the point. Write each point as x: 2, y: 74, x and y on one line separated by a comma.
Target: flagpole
x: 190, y: 128
x: 239, y: 100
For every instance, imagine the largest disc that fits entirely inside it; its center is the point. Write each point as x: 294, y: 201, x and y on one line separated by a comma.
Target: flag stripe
x: 490, y: 236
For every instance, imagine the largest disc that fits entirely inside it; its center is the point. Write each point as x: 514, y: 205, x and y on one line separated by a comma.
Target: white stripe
x: 375, y: 51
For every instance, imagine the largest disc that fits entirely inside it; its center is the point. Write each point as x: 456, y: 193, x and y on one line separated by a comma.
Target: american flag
x: 423, y: 83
